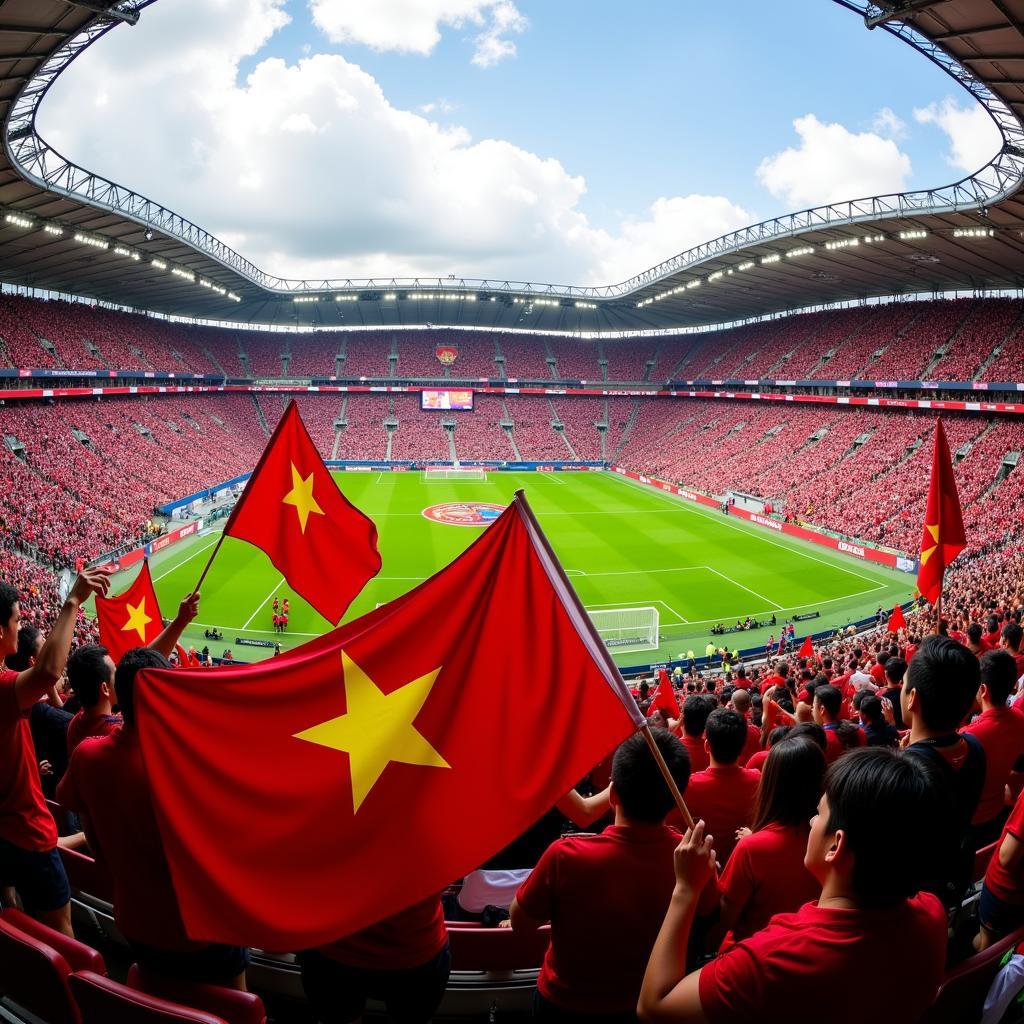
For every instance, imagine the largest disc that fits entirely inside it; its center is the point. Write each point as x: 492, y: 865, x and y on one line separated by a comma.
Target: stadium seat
x: 962, y: 995
x: 79, y: 956
x: 103, y: 1001
x: 34, y: 975
x: 234, y: 1006
x: 497, y: 949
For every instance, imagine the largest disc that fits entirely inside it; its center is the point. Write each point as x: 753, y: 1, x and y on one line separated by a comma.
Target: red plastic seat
x: 102, y: 1001
x: 34, y: 976
x: 497, y: 949
x: 234, y: 1006
x: 79, y: 956
x: 86, y: 876
x: 962, y: 994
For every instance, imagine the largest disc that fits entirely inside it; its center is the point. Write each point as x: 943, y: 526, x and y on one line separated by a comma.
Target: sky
x: 563, y: 141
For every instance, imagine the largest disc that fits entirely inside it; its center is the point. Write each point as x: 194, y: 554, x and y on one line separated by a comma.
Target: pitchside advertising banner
x: 130, y: 558
x: 846, y: 547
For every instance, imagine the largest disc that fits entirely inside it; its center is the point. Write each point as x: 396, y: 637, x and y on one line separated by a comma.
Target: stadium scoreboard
x: 446, y: 399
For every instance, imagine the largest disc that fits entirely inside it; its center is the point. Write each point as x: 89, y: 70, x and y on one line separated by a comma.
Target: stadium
x: 700, y: 489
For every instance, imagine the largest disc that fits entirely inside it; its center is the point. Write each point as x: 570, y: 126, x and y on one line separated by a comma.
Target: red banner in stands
x: 846, y: 547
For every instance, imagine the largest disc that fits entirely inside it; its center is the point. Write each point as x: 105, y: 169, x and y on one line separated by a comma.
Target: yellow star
x: 926, y: 554
x: 377, y: 728
x: 301, y: 496
x: 137, y: 619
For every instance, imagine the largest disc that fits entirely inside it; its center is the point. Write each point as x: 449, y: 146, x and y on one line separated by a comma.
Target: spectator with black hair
x: 91, y: 677
x: 696, y: 709
x: 878, y: 732
x: 604, y: 894
x: 1011, y: 638
x: 895, y: 670
x: 107, y: 785
x: 976, y: 642
x: 879, y: 807
x: 765, y: 875
x: 722, y: 794
x: 827, y: 709
x: 29, y: 861
x: 1000, y: 731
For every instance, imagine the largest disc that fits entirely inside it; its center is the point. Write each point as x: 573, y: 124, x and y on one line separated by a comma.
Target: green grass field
x: 623, y: 545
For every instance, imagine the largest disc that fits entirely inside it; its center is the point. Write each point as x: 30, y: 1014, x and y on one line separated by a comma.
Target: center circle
x: 463, y: 513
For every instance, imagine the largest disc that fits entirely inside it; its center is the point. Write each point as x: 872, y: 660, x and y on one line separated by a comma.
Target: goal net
x: 454, y: 473
x: 627, y: 628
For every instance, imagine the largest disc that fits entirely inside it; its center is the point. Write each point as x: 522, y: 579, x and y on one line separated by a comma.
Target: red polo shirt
x: 25, y: 820
x: 723, y: 795
x: 798, y: 965
x: 605, y: 897
x: 757, y: 760
x: 1003, y: 884
x: 753, y: 744
x: 699, y: 759
x: 106, y: 783
x: 84, y: 725
x: 766, y: 876
x: 1001, y: 732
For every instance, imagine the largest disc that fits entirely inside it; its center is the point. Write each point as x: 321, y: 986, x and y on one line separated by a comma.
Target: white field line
x: 277, y: 587
x: 723, y: 520
x: 729, y: 579
x: 198, y: 551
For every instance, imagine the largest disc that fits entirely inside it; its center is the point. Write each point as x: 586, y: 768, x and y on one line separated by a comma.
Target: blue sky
x: 590, y: 140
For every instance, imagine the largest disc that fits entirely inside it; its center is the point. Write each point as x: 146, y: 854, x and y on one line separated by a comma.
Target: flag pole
x: 669, y: 781
x: 209, y: 562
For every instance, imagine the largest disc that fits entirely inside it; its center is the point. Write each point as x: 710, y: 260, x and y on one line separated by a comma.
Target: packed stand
x: 420, y: 434
x: 525, y: 357
x: 479, y: 435
x: 364, y: 436
x: 366, y: 354
x: 534, y: 436
x: 313, y: 355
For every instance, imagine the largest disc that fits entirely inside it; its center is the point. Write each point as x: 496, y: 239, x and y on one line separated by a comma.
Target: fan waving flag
x: 306, y: 797
x: 806, y: 649
x: 292, y: 510
x: 943, y: 536
x: 664, y: 699
x: 132, y: 619
x: 896, y: 620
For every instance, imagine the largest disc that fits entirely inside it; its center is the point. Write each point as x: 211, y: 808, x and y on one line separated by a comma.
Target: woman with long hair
x: 766, y: 874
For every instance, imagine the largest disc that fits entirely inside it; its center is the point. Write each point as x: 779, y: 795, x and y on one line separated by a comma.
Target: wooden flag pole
x: 209, y: 562
x: 938, y: 612
x: 670, y: 782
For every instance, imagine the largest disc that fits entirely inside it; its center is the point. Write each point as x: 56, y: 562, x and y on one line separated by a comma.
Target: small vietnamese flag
x: 664, y: 699
x: 943, y: 536
x: 292, y: 510
x: 896, y: 620
x: 806, y: 649
x: 132, y: 619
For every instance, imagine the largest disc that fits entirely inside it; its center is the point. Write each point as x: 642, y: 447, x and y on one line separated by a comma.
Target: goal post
x: 454, y: 473
x: 633, y: 629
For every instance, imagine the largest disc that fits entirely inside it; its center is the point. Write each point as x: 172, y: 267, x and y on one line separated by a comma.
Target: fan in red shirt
x: 29, y: 860
x: 91, y: 675
x: 840, y: 735
x: 1001, y: 732
x: 604, y: 895
x: 766, y: 874
x: 741, y: 704
x: 1012, y: 636
x: 723, y: 794
x: 696, y: 709
x: 879, y: 807
x: 1001, y: 907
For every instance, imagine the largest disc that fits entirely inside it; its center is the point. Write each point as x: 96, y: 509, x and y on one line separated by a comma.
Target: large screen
x: 441, y: 399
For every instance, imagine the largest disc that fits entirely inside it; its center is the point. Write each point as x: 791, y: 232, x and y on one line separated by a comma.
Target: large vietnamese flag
x: 664, y: 698
x: 308, y: 796
x: 943, y: 536
x: 132, y: 619
x: 292, y: 510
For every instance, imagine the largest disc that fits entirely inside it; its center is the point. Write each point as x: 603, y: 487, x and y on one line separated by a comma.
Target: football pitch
x: 622, y: 545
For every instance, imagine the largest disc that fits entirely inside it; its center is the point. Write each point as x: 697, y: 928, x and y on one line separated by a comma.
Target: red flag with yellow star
x: 292, y: 510
x: 132, y: 619
x: 308, y: 796
x: 943, y: 536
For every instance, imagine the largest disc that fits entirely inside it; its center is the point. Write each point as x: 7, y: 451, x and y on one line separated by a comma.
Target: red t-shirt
x: 699, y: 759
x: 723, y: 795
x: 752, y: 746
x: 25, y: 820
x: 766, y: 876
x: 605, y: 897
x: 1001, y: 732
x: 106, y: 783
x: 834, y: 746
x: 877, y: 673
x: 1003, y: 884
x: 803, y: 963
x: 757, y: 760
x: 1019, y: 659
x: 411, y: 937
x: 82, y: 726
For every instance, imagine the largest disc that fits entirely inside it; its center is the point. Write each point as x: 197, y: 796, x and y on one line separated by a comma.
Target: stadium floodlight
x: 581, y: 305
x: 96, y: 243
x: 806, y: 250
x: 234, y: 297
x: 716, y: 275
x: 18, y: 221
x: 845, y: 243
x: 159, y: 264
x: 973, y: 232
x: 774, y: 258
x: 910, y: 236
x: 874, y: 238
x: 306, y: 298
x: 346, y: 298
x: 695, y: 283
x: 182, y: 272
x: 53, y: 229
x: 748, y: 265
x: 120, y: 250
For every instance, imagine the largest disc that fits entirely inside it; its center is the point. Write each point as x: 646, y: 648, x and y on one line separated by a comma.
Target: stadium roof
x: 65, y: 229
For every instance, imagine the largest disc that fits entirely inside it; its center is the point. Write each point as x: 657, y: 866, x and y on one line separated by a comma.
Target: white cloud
x: 889, y: 124
x: 832, y: 164
x: 441, y: 106
x: 414, y: 26
x: 309, y: 171
x: 973, y: 136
